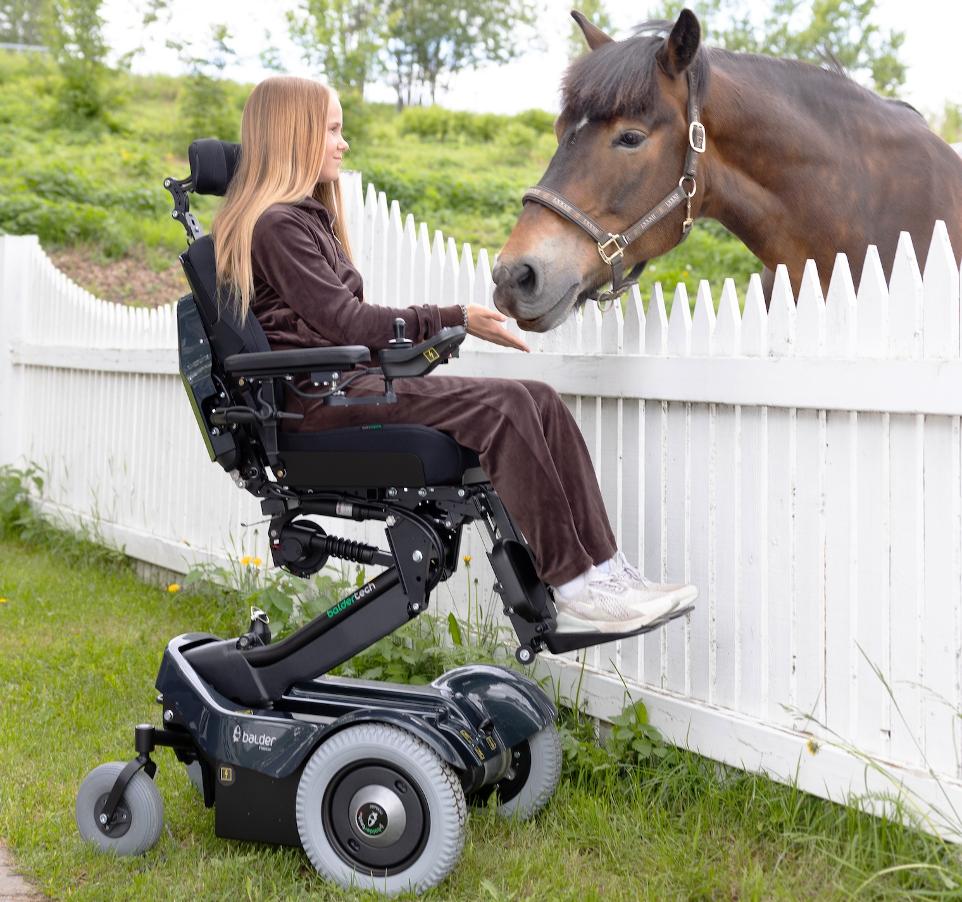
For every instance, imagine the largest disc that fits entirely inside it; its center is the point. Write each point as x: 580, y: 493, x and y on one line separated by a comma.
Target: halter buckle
x: 603, y: 249
x: 697, y: 137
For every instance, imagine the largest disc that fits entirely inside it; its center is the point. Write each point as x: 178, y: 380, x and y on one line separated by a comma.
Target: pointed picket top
x: 940, y: 308
x: 679, y: 323
x: 483, y: 283
x: 422, y: 266
x: 781, y: 315
x: 727, y: 337
x: 407, y: 255
x: 840, y: 313
x: 370, y: 199
x: 436, y: 286
x: 755, y: 320
x: 567, y: 337
x: 395, y: 217
x: 656, y: 323
x: 703, y: 321
x: 872, y: 303
x: 465, y: 277
x: 633, y: 336
x: 612, y: 329
x: 590, y: 328
x: 810, y: 319
x: 905, y: 302
x: 382, y: 207
x: 452, y: 266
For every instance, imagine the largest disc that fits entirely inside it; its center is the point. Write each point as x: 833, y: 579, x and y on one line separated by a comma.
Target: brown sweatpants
x: 529, y: 446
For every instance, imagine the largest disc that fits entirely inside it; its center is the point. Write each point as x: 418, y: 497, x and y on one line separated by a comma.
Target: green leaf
x: 454, y: 630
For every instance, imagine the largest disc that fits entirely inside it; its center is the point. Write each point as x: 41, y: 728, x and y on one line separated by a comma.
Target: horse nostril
x: 525, y: 278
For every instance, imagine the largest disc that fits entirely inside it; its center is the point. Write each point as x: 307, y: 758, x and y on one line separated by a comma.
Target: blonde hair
x: 283, y: 141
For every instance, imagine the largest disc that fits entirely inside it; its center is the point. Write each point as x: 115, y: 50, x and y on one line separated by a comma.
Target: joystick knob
x: 399, y: 339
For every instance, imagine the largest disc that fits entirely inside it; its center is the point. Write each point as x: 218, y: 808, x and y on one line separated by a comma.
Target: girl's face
x: 336, y: 145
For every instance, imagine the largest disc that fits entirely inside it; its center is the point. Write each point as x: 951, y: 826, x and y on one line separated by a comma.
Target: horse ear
x: 593, y: 35
x: 681, y: 45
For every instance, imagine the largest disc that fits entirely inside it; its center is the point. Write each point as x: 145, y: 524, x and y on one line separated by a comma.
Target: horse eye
x: 630, y: 138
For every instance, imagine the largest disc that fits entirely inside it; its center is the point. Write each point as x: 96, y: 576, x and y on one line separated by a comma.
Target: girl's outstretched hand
x: 486, y: 324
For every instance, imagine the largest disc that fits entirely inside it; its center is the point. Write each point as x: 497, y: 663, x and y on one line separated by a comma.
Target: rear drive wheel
x: 532, y: 776
x: 378, y: 809
x: 139, y: 817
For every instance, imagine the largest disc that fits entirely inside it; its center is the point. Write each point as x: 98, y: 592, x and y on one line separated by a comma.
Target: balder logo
x: 345, y: 603
x: 263, y: 741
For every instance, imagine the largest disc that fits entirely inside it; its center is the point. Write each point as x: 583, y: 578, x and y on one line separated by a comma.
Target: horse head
x: 624, y: 139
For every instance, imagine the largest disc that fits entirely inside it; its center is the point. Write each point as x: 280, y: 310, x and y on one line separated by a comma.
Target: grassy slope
x: 101, y: 191
x: 79, y: 646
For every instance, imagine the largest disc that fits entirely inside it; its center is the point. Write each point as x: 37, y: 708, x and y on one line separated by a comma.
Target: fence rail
x: 802, y: 465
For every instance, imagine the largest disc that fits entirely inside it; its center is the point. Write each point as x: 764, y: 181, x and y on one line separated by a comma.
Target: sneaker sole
x: 570, y: 623
x: 681, y: 597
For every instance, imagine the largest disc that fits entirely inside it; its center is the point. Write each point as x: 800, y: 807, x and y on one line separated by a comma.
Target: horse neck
x: 771, y: 151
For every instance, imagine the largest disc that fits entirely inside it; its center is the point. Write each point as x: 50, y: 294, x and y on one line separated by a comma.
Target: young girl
x: 283, y: 252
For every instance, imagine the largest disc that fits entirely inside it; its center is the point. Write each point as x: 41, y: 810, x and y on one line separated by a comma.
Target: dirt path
x: 13, y: 888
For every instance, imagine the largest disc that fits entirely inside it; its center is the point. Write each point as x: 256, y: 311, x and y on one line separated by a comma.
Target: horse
x: 797, y: 161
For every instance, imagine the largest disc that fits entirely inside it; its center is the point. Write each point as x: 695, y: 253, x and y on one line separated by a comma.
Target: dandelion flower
x: 256, y: 561
x: 173, y: 587
x: 812, y: 747
x: 467, y: 560
x: 245, y: 560
x: 3, y: 600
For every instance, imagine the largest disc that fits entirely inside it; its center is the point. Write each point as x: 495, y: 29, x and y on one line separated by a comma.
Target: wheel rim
x: 119, y: 824
x: 518, y: 771
x: 375, y: 817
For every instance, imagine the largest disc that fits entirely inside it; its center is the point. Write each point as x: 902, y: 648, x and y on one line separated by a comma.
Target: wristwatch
x: 464, y: 313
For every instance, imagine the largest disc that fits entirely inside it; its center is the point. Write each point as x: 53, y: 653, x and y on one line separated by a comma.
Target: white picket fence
x: 801, y: 466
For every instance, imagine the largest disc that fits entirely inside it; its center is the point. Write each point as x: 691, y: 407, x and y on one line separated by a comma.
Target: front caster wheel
x: 139, y: 817
x: 378, y: 809
x: 532, y: 776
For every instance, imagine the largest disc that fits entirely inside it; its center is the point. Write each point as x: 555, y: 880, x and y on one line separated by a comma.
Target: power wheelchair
x: 370, y: 778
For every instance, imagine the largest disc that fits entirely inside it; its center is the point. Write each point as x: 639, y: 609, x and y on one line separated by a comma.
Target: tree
x: 598, y: 14
x: 341, y: 38
x: 77, y: 45
x: 205, y: 108
x: 428, y: 41
x: 23, y: 21
x: 949, y: 124
x: 811, y: 30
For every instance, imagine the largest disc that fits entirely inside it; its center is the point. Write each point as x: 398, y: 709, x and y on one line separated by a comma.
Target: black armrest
x: 307, y: 360
x: 420, y: 359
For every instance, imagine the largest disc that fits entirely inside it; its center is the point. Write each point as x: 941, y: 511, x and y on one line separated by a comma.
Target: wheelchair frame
x: 250, y: 714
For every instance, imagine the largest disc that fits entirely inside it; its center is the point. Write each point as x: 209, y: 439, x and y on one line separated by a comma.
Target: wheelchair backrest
x: 211, y: 313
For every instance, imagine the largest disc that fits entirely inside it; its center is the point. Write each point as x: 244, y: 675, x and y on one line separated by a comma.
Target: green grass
x: 100, y: 187
x: 79, y: 646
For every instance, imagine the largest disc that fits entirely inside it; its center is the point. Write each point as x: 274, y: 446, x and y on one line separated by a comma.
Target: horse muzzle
x: 539, y: 297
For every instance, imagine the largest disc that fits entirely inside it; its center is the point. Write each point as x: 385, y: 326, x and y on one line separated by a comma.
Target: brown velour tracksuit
x: 308, y: 294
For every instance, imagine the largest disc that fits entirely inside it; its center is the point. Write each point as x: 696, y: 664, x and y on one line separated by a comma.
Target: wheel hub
x: 119, y: 824
x: 375, y: 818
x: 377, y: 815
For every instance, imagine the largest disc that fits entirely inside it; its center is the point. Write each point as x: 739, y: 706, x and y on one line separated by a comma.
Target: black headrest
x: 212, y: 165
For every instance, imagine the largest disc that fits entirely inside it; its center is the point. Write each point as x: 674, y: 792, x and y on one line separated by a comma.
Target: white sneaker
x: 680, y: 593
x: 610, y: 606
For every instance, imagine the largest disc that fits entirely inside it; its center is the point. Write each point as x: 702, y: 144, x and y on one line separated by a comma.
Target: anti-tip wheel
x: 378, y: 809
x: 532, y: 776
x: 524, y: 655
x: 139, y: 817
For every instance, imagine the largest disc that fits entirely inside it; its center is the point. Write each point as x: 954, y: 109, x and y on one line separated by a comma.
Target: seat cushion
x: 373, y: 456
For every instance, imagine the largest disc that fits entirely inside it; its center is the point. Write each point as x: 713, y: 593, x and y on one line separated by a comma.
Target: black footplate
x: 562, y: 642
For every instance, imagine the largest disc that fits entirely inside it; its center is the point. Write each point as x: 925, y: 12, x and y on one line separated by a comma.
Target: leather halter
x: 612, y: 245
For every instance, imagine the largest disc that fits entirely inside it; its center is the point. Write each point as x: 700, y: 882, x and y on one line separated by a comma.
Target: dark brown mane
x: 617, y: 79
